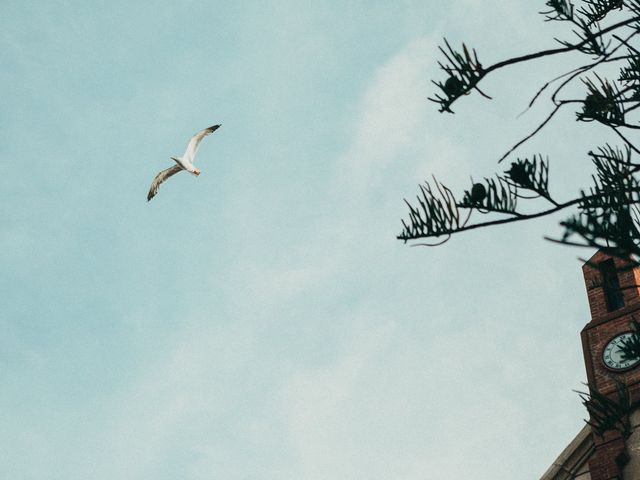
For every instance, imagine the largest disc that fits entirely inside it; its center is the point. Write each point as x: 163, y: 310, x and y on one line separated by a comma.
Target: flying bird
x: 182, y: 163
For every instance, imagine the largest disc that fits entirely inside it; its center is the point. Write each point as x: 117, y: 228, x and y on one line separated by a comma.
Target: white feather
x: 183, y: 163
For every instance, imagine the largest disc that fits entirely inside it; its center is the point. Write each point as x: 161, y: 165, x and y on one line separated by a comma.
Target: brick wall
x: 605, y: 463
x: 610, y: 455
x: 605, y: 325
x: 627, y: 277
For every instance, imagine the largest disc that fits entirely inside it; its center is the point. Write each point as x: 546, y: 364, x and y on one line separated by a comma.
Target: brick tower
x: 614, y: 300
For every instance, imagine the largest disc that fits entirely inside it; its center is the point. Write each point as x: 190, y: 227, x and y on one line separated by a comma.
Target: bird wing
x: 192, y: 147
x: 161, y: 177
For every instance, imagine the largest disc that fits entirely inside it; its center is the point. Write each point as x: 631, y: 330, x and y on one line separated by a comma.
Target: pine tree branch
x: 503, y: 221
x: 555, y: 51
x: 456, y: 87
x: 518, y: 218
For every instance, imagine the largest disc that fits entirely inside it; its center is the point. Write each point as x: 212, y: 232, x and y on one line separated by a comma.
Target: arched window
x: 611, y: 285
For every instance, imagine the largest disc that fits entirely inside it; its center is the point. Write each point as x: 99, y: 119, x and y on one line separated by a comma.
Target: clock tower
x: 614, y: 300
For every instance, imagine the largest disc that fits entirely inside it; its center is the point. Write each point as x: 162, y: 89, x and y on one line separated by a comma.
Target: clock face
x: 612, y: 355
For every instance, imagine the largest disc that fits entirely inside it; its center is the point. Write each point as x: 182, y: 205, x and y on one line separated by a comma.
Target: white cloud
x: 391, y: 122
x: 388, y: 402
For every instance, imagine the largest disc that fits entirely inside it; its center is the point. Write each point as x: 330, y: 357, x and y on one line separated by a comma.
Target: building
x: 613, y: 289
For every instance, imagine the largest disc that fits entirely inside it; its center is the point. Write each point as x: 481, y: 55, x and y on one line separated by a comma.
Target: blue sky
x: 261, y: 321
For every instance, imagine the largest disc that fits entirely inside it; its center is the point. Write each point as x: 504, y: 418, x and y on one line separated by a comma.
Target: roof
x: 572, y: 463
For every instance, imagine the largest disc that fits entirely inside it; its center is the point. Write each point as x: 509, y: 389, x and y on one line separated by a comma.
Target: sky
x: 261, y: 321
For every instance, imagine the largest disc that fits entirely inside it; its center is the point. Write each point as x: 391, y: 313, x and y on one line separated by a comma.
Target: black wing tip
x: 213, y: 128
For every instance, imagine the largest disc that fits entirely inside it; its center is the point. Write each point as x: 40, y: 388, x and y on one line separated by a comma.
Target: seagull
x: 182, y: 163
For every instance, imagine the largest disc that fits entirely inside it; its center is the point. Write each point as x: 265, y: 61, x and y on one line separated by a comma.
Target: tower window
x: 611, y: 285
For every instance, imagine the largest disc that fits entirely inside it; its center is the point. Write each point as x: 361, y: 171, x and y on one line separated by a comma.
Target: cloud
x: 319, y: 405
x: 391, y: 122
x: 330, y: 357
x: 313, y: 404
x: 392, y: 402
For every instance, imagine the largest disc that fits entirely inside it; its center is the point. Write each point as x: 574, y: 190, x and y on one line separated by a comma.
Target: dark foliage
x: 605, y: 214
x: 631, y: 347
x: 607, y: 412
